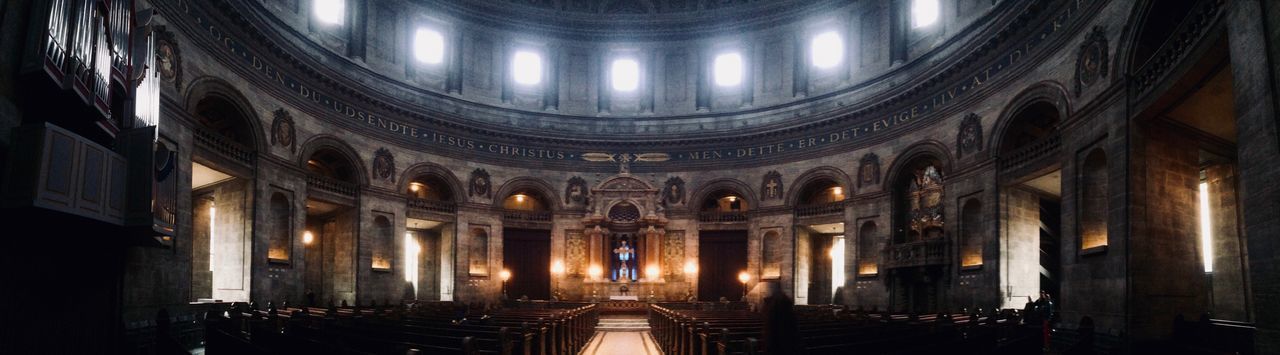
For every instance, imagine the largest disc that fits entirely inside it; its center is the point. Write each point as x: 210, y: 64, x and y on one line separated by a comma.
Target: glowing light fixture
x: 307, y: 237
x: 924, y: 12
x: 428, y: 46
x: 625, y: 74
x: 329, y: 11
x: 826, y: 50
x: 519, y: 198
x: 727, y: 69
x: 557, y: 268
x: 690, y: 267
x: 1206, y: 228
x: 526, y: 68
x: 595, y: 272
x: 505, y: 275
x: 732, y: 198
x: 744, y: 277
x: 652, y: 272
x: 837, y: 191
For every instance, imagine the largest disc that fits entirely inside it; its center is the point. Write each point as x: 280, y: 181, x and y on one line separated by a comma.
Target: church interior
x: 680, y: 177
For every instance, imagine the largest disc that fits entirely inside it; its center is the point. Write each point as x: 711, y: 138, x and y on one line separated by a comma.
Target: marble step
x: 623, y: 325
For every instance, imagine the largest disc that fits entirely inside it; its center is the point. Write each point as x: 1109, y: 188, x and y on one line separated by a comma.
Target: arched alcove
x: 1093, y: 201
x: 383, y: 245
x: 971, y: 234
x: 333, y: 164
x: 280, y: 246
x: 869, y: 239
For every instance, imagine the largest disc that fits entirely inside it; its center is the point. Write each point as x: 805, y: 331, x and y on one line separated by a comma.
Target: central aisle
x: 622, y: 335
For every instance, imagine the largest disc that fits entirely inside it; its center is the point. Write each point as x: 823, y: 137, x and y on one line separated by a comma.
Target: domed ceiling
x: 785, y: 108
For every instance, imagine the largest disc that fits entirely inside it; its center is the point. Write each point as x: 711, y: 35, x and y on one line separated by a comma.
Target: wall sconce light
x: 837, y: 191
x: 557, y: 268
x: 690, y: 267
x: 519, y: 198
x: 307, y: 237
x: 413, y: 186
x: 595, y: 272
x: 652, y: 272
x: 732, y: 198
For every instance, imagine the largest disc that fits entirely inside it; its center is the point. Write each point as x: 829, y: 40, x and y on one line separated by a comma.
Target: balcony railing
x: 922, y: 253
x: 331, y: 185
x: 223, y: 147
x: 820, y: 210
x: 526, y: 216
x: 432, y: 205
x: 722, y: 216
x: 1036, y: 150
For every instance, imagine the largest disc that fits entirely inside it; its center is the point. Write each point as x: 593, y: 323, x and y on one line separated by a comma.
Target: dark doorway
x: 527, y: 254
x: 721, y: 256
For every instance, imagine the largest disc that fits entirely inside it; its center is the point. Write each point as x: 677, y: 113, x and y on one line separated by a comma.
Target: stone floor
x: 622, y: 335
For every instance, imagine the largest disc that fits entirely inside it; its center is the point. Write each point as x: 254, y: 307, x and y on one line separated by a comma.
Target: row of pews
x: 420, y: 328
x: 835, y: 330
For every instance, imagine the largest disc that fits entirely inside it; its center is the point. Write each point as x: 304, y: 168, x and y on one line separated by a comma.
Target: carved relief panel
x: 575, y: 252
x: 673, y: 252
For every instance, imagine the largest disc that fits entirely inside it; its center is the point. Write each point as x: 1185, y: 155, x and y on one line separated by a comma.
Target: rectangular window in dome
x: 428, y: 46
x: 625, y: 75
x: 826, y: 50
x: 526, y: 68
x: 727, y: 69
x: 924, y: 12
x: 329, y: 11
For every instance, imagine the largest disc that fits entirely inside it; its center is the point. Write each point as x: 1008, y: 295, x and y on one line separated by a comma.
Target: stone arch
x: 549, y: 196
x: 323, y: 142
x: 1050, y: 92
x: 1153, y: 22
x: 817, y: 174
x: 742, y: 189
x: 927, y: 148
x: 900, y: 186
x: 433, y: 169
x: 211, y: 87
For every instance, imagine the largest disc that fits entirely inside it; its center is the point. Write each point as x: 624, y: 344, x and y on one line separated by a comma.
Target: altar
x: 624, y: 298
